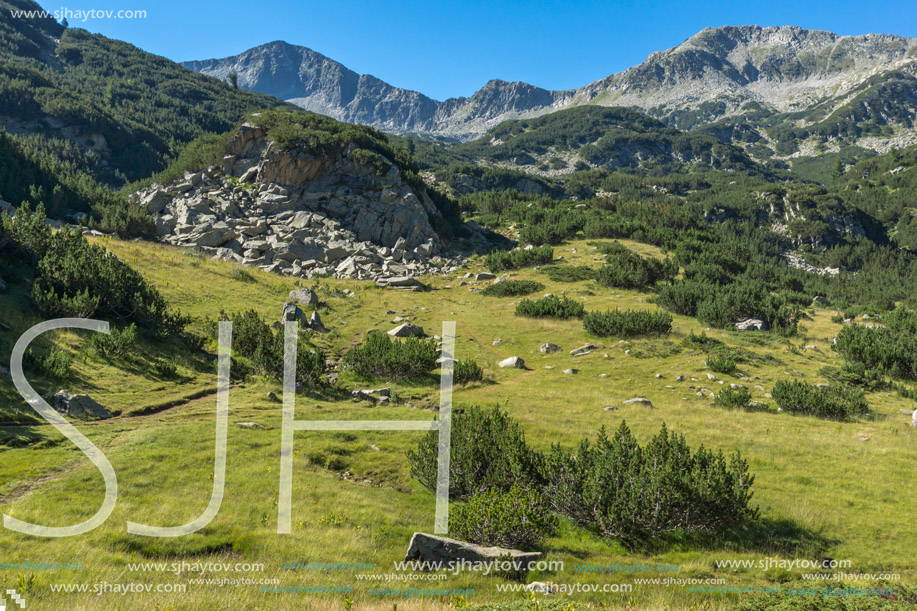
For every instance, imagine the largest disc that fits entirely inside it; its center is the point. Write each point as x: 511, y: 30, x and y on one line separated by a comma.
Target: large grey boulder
x: 155, y: 201
x: 407, y: 330
x: 292, y: 312
x: 751, y: 324
x: 434, y: 549
x: 548, y: 348
x: 513, y: 362
x: 304, y: 297
x: 404, y: 283
x: 639, y: 402
x: 78, y: 406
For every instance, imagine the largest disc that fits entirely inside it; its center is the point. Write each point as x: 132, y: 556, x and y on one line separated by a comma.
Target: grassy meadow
x: 825, y: 489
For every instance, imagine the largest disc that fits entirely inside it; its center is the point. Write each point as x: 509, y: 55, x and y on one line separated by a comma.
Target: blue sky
x: 452, y: 48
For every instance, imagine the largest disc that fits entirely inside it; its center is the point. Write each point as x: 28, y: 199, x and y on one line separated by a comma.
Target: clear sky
x: 449, y: 49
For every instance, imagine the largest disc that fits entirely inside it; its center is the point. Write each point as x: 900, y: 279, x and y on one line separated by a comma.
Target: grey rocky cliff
x: 288, y: 211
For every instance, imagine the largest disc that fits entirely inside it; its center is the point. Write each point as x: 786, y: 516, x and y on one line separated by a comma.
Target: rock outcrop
x: 434, y: 549
x: 293, y: 212
x: 79, y: 406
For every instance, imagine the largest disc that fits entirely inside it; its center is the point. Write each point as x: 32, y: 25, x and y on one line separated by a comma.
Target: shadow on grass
x: 765, y: 536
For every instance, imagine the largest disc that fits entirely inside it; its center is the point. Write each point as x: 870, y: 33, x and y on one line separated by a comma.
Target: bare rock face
x: 289, y: 211
x: 435, y: 549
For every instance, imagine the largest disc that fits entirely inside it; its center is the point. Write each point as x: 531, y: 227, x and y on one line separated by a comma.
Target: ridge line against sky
x: 445, y: 50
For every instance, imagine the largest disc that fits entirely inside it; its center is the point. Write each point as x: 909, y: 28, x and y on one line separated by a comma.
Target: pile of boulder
x: 292, y: 212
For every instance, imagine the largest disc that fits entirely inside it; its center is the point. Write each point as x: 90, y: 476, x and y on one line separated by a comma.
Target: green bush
x: 76, y: 279
x: 467, y: 371
x: 627, y: 323
x: 503, y: 260
x: 55, y: 364
x: 569, y: 273
x: 835, y: 402
x: 733, y: 397
x: 488, y: 452
x: 623, y: 490
x: 721, y: 364
x: 628, y: 270
x: 383, y: 357
x: 517, y: 518
x: 512, y: 288
x: 117, y: 344
x: 682, y: 297
x: 263, y: 349
x: 891, y: 349
x: 550, y: 307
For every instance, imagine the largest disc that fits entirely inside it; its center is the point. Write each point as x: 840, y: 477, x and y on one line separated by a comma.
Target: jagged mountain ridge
x: 715, y: 74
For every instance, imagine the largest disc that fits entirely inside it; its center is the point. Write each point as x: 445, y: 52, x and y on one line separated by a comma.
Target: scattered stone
x: 292, y: 312
x: 640, y: 401
x: 679, y: 378
x: 549, y: 348
x: 315, y: 322
x: 658, y: 376
x: 407, y: 330
x: 78, y: 406
x: 304, y: 297
x: 584, y: 349
x: 610, y: 408
x: 571, y: 371
x: 402, y: 283
x: 818, y: 300
x: 250, y: 425
x: 710, y: 376
x: 434, y: 549
x: 512, y: 362
x: 603, y: 375
x: 540, y: 587
x: 751, y: 324
x: 484, y: 276
x: 496, y: 342
x: 272, y: 396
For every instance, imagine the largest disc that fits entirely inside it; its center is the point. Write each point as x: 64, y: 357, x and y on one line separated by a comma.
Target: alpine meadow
x: 278, y: 335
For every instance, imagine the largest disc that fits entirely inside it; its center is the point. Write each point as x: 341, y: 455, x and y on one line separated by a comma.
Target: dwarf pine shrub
x: 464, y: 372
x: 550, y: 307
x: 834, y: 402
x: 517, y: 518
x: 627, y: 323
x: 488, y: 452
x: 512, y: 288
x: 621, y: 489
x: 383, y: 357
x: 733, y: 397
x: 502, y: 260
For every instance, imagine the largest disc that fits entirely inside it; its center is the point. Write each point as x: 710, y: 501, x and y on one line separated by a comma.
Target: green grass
x: 820, y: 487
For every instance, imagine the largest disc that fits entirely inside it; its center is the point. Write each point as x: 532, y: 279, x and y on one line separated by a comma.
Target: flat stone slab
x: 433, y: 548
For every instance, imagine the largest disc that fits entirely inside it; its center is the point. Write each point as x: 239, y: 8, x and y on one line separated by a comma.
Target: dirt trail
x: 146, y: 412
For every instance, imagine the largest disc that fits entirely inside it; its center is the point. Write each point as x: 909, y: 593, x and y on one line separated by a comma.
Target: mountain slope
x: 97, y: 113
x: 760, y: 74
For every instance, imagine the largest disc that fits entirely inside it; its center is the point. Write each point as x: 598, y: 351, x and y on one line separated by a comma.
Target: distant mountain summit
x: 720, y: 73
